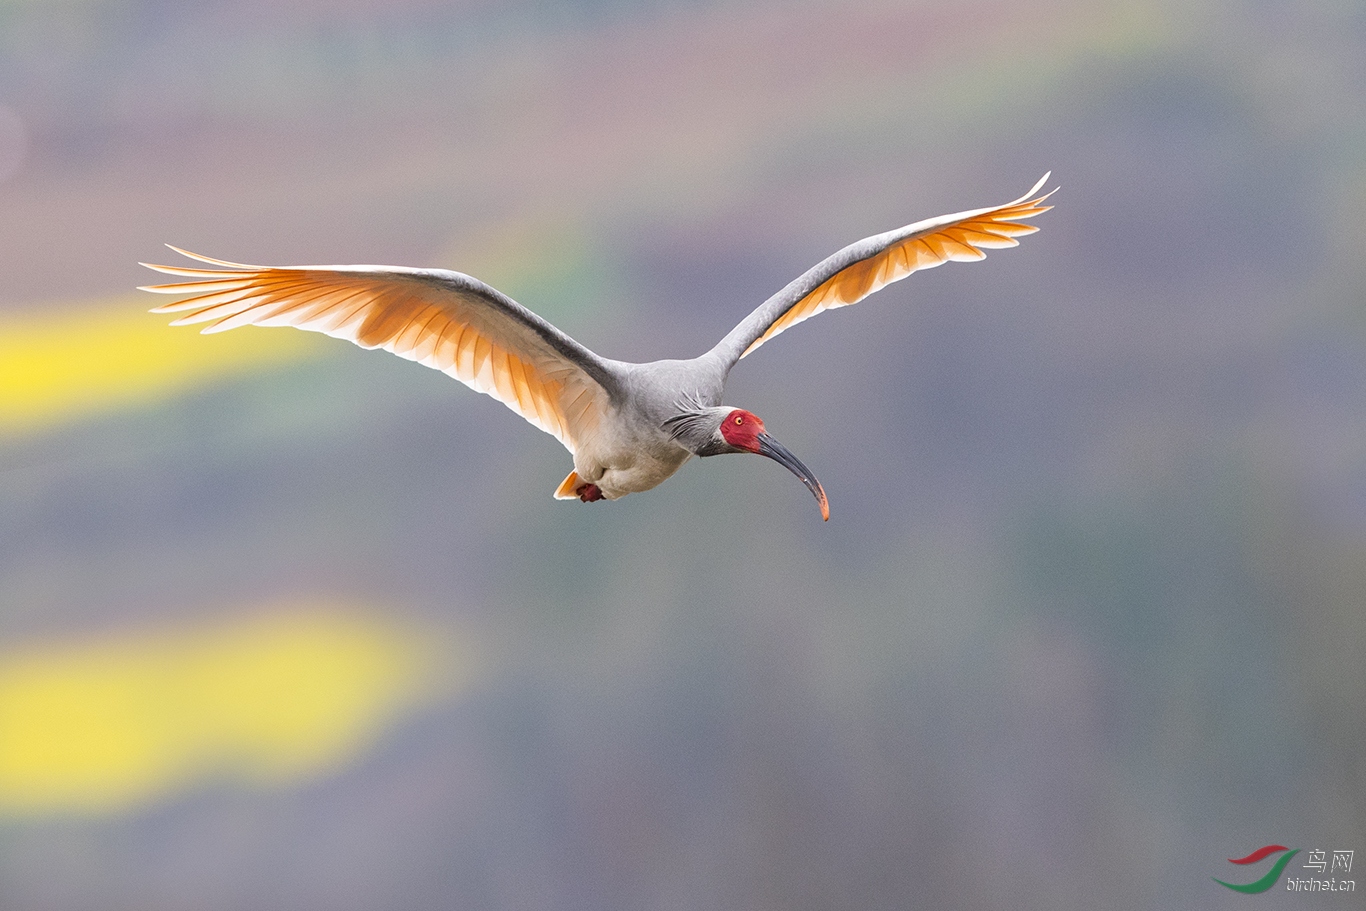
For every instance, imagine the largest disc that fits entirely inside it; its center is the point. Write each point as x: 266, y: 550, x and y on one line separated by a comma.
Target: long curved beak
x: 780, y: 454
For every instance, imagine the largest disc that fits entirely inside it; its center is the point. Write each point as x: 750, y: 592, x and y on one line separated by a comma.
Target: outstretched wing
x: 446, y: 320
x: 866, y: 266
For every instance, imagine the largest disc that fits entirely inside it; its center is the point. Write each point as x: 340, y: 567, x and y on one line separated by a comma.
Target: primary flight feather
x: 629, y: 426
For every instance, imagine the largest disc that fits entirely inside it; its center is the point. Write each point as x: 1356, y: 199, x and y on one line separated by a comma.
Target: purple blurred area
x: 1089, y: 614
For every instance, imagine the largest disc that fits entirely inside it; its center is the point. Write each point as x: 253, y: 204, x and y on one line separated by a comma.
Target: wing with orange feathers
x: 874, y: 262
x: 445, y: 320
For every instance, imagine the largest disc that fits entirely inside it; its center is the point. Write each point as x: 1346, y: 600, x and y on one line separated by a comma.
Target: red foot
x: 589, y: 493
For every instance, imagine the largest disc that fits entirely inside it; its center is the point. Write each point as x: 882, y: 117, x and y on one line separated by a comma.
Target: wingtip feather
x: 209, y: 259
x: 1029, y: 197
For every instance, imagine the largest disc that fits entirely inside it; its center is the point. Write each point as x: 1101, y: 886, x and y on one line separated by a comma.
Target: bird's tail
x: 569, y: 487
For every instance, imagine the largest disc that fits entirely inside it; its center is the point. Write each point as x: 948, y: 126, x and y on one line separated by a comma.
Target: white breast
x: 630, y: 466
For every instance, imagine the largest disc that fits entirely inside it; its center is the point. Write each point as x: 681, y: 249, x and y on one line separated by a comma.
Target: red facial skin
x: 741, y: 429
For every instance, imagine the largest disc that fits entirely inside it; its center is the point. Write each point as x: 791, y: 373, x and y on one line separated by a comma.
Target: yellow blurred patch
x: 105, y: 726
x: 78, y: 361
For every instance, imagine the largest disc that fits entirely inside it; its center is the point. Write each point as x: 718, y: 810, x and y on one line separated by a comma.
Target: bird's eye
x: 739, y: 420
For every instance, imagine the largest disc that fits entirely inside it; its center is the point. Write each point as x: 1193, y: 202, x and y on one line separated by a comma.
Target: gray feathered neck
x: 696, y: 426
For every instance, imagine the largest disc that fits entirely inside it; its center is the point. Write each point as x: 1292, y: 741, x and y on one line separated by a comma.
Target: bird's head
x: 740, y: 430
x: 720, y: 430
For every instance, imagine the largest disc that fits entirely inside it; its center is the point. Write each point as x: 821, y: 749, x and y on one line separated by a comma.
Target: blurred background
x: 288, y: 624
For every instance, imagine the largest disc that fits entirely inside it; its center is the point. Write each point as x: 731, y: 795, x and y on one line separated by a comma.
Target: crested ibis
x: 628, y: 426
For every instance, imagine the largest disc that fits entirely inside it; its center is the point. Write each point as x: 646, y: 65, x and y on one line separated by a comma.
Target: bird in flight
x: 628, y: 426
